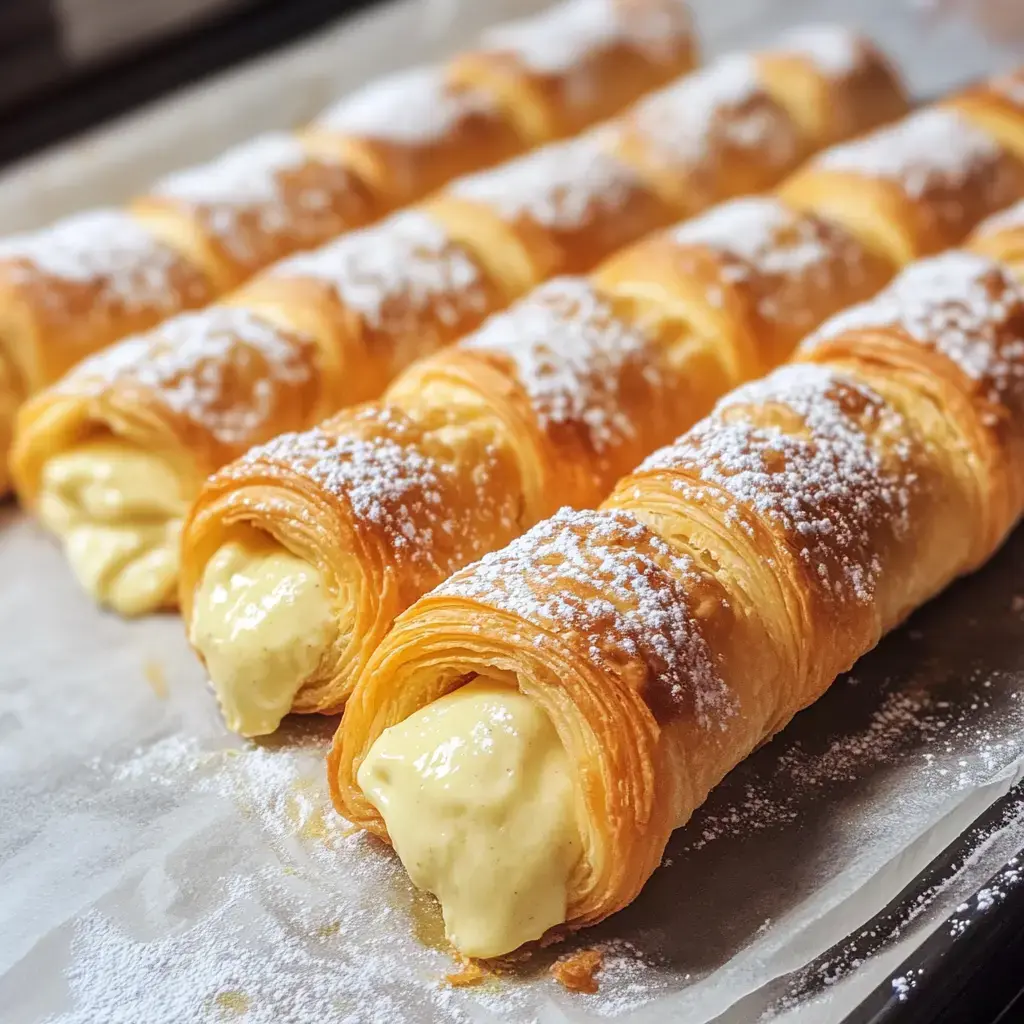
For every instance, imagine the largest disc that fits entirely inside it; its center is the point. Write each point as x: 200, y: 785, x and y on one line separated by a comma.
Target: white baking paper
x: 154, y: 869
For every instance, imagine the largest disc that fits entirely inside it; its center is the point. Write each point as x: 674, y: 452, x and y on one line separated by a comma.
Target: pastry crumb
x: 471, y: 972
x: 578, y: 972
x: 153, y: 671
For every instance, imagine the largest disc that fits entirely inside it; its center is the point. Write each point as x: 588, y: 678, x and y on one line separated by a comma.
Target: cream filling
x: 262, y: 620
x: 476, y: 790
x: 118, y: 511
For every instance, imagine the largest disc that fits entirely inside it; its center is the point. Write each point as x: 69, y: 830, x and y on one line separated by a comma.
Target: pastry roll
x: 77, y: 286
x: 833, y: 81
x: 349, y: 316
x: 1002, y: 237
x: 716, y: 133
x: 914, y: 188
x: 546, y: 405
x: 586, y: 687
x: 997, y: 105
x: 110, y: 456
x: 375, y: 300
x: 557, y: 210
x: 408, y: 134
x: 581, y: 61
x: 255, y: 204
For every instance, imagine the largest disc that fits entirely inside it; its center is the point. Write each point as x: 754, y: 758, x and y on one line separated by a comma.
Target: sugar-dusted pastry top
x: 414, y: 108
x: 108, y: 252
x: 927, y: 154
x: 723, y: 107
x: 562, y: 186
x: 264, y: 190
x: 560, y: 39
x: 819, y: 478
x: 835, y: 50
x: 772, y: 248
x: 965, y: 306
x: 220, y: 368
x: 568, y: 351
x: 390, y: 273
x: 605, y: 576
x: 375, y: 461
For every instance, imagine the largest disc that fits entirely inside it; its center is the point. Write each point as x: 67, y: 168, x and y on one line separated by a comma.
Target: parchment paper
x: 154, y: 869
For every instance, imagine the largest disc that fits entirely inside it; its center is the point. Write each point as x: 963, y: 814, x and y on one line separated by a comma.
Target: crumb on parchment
x: 578, y: 972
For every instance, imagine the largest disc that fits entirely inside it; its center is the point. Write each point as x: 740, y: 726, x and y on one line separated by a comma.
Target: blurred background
x: 134, y: 88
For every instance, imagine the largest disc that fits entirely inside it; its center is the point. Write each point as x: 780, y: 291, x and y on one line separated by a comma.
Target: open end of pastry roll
x: 368, y: 517
x: 111, y: 457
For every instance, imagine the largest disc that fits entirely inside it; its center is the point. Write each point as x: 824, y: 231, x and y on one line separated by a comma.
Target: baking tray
x: 103, y: 720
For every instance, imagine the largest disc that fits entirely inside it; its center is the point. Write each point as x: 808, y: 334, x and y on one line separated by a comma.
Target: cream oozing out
x: 262, y: 619
x: 477, y: 793
x: 118, y: 510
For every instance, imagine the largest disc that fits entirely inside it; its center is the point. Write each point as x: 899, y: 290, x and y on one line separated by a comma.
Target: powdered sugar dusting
x: 822, y: 482
x: 414, y: 108
x: 928, y: 153
x: 723, y: 105
x: 835, y: 50
x: 764, y: 239
x: 966, y: 306
x: 247, y: 182
x: 104, y: 249
x: 220, y: 367
x: 562, y: 186
x: 393, y: 273
x: 570, y: 352
x: 606, y: 577
x: 559, y: 40
x: 382, y: 472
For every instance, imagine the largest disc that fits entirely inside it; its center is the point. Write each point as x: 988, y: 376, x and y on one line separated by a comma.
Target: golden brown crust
x: 81, y: 284
x: 1001, y: 236
x: 558, y: 210
x: 254, y: 205
x: 715, y: 133
x: 726, y: 581
x: 376, y: 299
x: 834, y: 81
x: 578, y: 62
x: 201, y: 389
x: 913, y: 189
x: 997, y: 105
x: 407, y: 134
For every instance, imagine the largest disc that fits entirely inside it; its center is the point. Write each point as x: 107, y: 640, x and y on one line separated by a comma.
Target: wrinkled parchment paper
x: 154, y: 869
